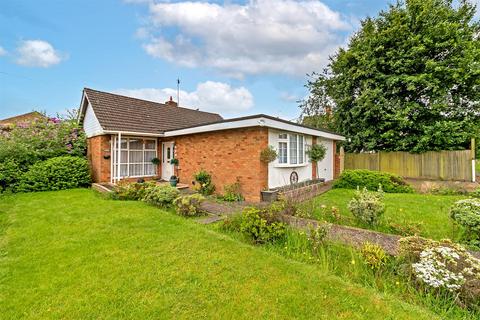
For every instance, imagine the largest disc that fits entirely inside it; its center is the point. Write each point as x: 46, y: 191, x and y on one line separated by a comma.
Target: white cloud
x: 37, y: 53
x: 209, y: 96
x: 261, y: 36
x: 2, y: 51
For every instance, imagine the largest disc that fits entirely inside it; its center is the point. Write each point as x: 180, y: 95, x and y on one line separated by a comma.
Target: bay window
x: 291, y: 149
x: 136, y: 156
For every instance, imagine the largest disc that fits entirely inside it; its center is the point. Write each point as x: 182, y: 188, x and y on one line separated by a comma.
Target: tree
x: 409, y: 79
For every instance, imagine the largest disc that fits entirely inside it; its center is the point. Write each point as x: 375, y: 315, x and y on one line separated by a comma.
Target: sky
x: 232, y: 57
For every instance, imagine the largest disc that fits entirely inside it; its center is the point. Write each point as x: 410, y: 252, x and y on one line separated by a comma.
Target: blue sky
x: 234, y: 58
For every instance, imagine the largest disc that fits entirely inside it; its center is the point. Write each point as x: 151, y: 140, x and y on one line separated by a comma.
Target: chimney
x: 171, y: 103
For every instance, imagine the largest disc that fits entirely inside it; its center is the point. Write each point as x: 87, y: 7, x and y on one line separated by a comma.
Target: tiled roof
x: 120, y: 113
x: 27, y: 117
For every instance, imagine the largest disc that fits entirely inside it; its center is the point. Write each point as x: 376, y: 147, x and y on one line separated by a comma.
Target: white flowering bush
x: 367, y: 206
x: 443, y: 267
x: 434, y: 266
x: 467, y: 214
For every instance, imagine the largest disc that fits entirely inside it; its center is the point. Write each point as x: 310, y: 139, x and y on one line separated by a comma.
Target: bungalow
x: 125, y: 134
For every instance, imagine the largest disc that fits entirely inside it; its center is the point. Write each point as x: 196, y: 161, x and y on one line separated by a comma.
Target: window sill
x: 288, y: 165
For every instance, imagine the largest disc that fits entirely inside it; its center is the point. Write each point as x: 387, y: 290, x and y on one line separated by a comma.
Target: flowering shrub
x: 443, y: 267
x: 467, y: 213
x: 204, y: 183
x: 56, y: 174
x: 160, y: 195
x: 189, y: 206
x: 367, y: 206
x: 41, y: 140
x: 125, y: 190
x: 434, y: 269
x: 262, y: 226
x: 373, y: 255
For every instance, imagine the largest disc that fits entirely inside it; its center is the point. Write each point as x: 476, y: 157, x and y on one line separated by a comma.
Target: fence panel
x: 445, y: 165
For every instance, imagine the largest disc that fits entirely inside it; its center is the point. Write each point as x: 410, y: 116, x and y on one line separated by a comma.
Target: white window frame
x: 301, y: 146
x: 118, y: 164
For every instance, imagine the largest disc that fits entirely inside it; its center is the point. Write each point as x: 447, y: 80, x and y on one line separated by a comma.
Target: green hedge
x: 57, y: 173
x: 351, y: 179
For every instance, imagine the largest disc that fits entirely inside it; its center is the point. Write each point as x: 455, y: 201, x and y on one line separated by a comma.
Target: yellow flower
x: 353, y: 261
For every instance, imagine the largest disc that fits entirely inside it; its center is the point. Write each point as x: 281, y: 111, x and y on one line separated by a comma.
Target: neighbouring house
x: 21, y: 120
x: 125, y: 134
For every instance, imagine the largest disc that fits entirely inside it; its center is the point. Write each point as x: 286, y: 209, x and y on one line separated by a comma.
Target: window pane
x: 300, y: 149
x: 149, y: 155
x: 136, y: 144
x: 282, y: 136
x: 282, y: 152
x: 168, y: 153
x: 150, y: 144
x: 123, y: 144
x: 123, y: 170
x: 293, y: 149
x: 136, y: 170
x: 123, y: 156
x: 150, y: 169
x: 136, y: 156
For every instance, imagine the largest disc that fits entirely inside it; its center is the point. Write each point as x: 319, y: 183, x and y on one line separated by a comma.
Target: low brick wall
x: 307, y: 192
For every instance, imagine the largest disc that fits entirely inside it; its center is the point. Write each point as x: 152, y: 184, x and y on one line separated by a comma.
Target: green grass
x: 73, y: 255
x: 429, y: 211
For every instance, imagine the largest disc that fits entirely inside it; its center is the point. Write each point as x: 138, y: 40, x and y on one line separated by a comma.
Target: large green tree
x: 408, y: 80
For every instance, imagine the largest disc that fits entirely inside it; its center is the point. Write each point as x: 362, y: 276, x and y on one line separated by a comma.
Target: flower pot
x: 173, y: 181
x: 269, y: 195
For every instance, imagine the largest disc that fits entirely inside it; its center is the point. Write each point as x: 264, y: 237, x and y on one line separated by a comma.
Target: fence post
x: 473, y: 155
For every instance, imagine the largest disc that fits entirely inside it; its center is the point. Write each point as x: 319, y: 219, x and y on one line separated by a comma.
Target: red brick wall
x: 227, y: 155
x: 314, y: 163
x: 97, y: 148
x: 336, y: 161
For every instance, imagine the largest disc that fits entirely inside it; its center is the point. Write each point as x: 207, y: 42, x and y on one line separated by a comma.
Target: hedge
x: 57, y: 173
x: 353, y: 179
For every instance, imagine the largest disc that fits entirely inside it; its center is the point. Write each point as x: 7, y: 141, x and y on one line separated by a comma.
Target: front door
x: 167, y: 156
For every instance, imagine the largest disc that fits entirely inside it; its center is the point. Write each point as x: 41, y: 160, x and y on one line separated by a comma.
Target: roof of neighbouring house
x: 22, y: 118
x: 120, y: 113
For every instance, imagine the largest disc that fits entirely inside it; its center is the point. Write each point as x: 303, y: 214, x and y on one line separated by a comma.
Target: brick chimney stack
x: 171, y: 103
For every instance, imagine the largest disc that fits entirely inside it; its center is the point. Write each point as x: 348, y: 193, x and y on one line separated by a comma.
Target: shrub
x: 56, y: 174
x: 189, y: 206
x: 160, y: 195
x: 125, y: 190
x: 10, y: 175
x: 261, y: 226
x: 351, y: 179
x: 467, y: 214
x: 232, y: 192
x: 204, y: 180
x: 367, y: 206
x: 317, y: 152
x: 268, y: 154
x: 373, y: 255
x: 42, y: 140
x: 443, y: 267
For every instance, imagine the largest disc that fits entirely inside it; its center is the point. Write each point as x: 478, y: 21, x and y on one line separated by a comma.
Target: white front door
x: 167, y: 156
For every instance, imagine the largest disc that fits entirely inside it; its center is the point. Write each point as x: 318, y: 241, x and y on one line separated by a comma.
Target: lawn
x: 74, y: 255
x: 428, y: 212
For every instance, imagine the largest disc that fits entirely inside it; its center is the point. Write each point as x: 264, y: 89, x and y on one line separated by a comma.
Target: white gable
x: 91, y: 126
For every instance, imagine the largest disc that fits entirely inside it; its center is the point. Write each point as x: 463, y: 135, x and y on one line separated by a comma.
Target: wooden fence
x: 443, y: 165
